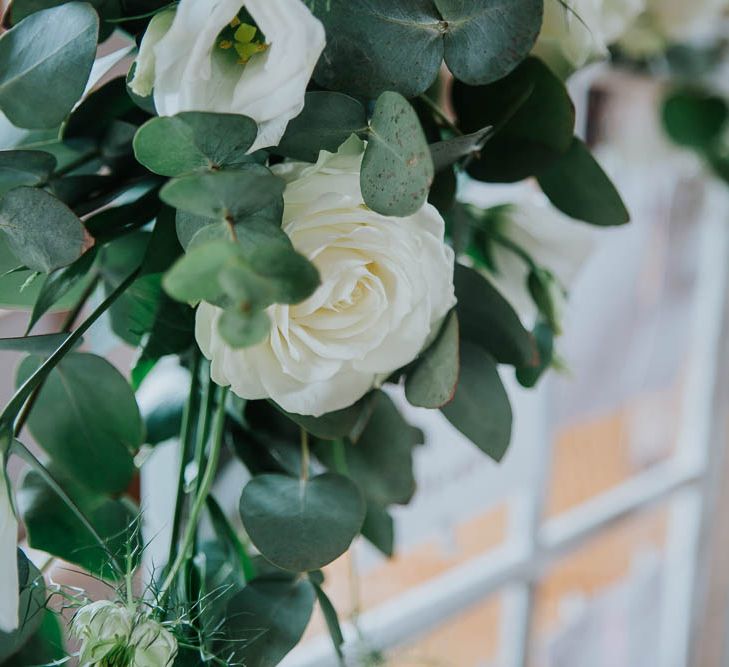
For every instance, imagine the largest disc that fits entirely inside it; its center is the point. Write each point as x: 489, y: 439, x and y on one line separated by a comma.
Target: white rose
x: 577, y: 32
x: 386, y: 284
x: 8, y: 557
x: 121, y: 636
x: 554, y: 242
x: 198, y: 62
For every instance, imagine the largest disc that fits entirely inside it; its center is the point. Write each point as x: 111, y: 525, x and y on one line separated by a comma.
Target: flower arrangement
x: 278, y: 195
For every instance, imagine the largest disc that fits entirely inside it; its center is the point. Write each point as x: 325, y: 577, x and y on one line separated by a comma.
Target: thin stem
x: 13, y: 408
x: 200, y: 499
x: 305, y: 455
x: 73, y: 314
x: 203, y: 425
x: 441, y: 114
x: 188, y: 417
x: 75, y: 164
x: 22, y: 452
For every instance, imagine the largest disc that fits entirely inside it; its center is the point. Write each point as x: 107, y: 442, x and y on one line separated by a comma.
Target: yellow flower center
x: 243, y: 37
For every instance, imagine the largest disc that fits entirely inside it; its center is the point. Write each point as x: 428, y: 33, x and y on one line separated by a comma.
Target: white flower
x: 554, y: 241
x: 577, y: 32
x: 116, y: 635
x: 386, y: 285
x: 8, y: 557
x: 201, y: 63
x: 674, y: 21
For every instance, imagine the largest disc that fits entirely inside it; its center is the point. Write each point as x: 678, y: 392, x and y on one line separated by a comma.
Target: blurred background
x: 602, y: 538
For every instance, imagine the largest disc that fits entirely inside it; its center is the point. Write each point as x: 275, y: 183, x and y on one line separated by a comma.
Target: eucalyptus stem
x: 305, y: 455
x: 77, y: 163
x: 22, y: 452
x: 200, y: 499
x: 441, y: 114
x: 188, y: 417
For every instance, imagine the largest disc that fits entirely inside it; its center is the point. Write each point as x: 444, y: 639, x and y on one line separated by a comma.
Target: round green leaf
x: 533, y: 116
x: 29, y: 168
x: 43, y: 233
x: 486, y: 39
x: 694, y: 118
x: 432, y: 383
x: 193, y: 140
x: 225, y: 194
x: 480, y: 409
x: 240, y: 329
x: 45, y: 62
x: 265, y: 620
x: 577, y: 185
x: 31, y: 608
x: 397, y: 169
x: 54, y: 528
x: 379, y: 45
x: 87, y: 419
x: 302, y: 525
x: 327, y: 121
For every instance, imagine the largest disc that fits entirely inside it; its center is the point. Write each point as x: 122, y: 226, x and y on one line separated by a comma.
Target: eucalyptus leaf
x: 432, y: 382
x: 44, y: 647
x: 194, y: 140
x: 225, y: 194
x: 488, y: 320
x: 87, y: 419
x: 445, y: 153
x: 302, y: 525
x: 45, y: 61
x: 54, y: 528
x: 397, y: 169
x: 240, y: 329
x: 327, y: 121
x: 379, y: 529
x: 577, y: 185
x: 480, y: 409
x: 265, y: 620
x: 694, y: 118
x: 331, y: 618
x: 46, y: 344
x: 43, y: 233
x: 528, y: 376
x: 30, y: 168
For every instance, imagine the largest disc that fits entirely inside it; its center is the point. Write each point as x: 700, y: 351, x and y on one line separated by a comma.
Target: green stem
x: 13, y: 408
x: 202, y: 494
x: 305, y: 455
x: 340, y: 457
x: 441, y: 114
x: 188, y: 417
x: 516, y: 249
x: 75, y: 164
x: 220, y: 521
x: 203, y: 425
x: 22, y: 452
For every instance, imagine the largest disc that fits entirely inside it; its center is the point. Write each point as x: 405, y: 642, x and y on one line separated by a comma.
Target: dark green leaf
x: 44, y: 647
x: 302, y: 525
x: 28, y: 168
x: 445, y: 153
x: 577, y: 186
x: 480, y: 409
x: 240, y: 329
x: 533, y: 116
x: 528, y: 376
x: 45, y: 62
x: 694, y: 118
x: 327, y: 121
x: 87, y: 419
x: 397, y: 170
x: 54, y: 528
x: 225, y: 194
x: 379, y: 529
x: 31, y: 608
x: 45, y: 345
x: 266, y: 620
x: 193, y: 140
x: 432, y: 382
x: 486, y: 39
x: 331, y: 618
x: 488, y: 320
x: 43, y: 233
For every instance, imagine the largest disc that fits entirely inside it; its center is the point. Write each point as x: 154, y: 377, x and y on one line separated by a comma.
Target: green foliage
x: 694, y: 118
x: 52, y: 526
x: 42, y: 233
x: 191, y: 141
x: 45, y: 62
x: 397, y: 169
x: 265, y: 620
x: 28, y: 168
x: 378, y: 45
x: 577, y: 185
x: 302, y: 525
x: 31, y: 608
x: 87, y: 419
x: 480, y: 409
x: 533, y: 116
x: 432, y: 382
